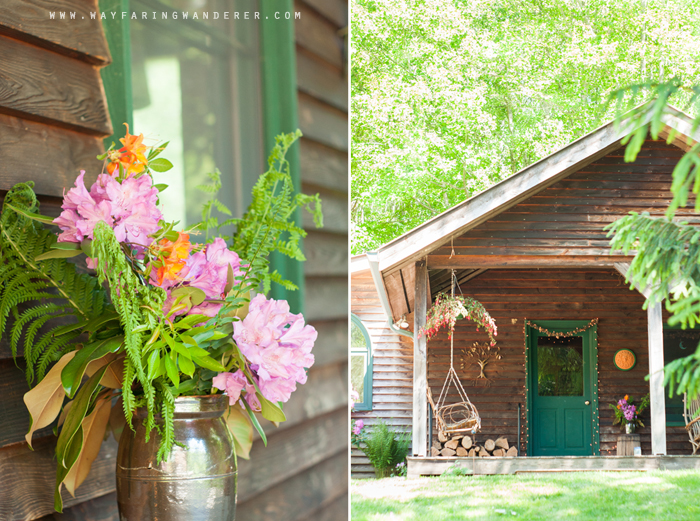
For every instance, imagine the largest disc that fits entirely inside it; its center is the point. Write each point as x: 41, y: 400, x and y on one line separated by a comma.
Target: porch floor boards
x: 514, y: 465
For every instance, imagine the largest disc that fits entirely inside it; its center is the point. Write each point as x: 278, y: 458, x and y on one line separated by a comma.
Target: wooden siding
x: 568, y: 218
x: 511, y: 296
x: 302, y: 473
x: 53, y: 117
x: 392, y: 383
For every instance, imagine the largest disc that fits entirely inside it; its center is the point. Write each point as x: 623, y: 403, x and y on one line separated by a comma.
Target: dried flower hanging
x: 448, y: 309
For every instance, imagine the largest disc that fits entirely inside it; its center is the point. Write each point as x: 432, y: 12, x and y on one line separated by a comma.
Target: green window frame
x: 361, y: 358
x: 279, y: 103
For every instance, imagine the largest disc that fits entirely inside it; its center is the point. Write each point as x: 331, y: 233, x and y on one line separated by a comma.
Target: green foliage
x: 210, y: 223
x: 385, y: 448
x: 266, y: 227
x: 450, y: 97
x: 40, y: 295
x: 139, y: 307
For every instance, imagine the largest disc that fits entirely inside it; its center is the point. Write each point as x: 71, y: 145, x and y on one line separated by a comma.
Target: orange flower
x: 627, y: 397
x: 130, y: 156
x: 174, y: 255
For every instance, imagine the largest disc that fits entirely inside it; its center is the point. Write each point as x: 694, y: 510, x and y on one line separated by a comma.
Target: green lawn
x: 580, y: 495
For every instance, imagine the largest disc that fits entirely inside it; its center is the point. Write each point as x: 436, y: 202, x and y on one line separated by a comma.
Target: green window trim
x: 279, y: 101
x: 366, y: 403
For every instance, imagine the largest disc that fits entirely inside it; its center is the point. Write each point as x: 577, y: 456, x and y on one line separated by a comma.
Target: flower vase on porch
x: 198, y: 479
x: 144, y: 344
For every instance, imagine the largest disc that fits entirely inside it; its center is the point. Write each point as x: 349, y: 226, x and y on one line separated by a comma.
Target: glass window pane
x: 358, y: 370
x: 560, y: 366
x: 357, y: 337
x: 196, y: 84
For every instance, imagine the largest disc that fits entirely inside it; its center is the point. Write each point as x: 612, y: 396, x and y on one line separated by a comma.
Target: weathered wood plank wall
x: 393, y: 368
x: 302, y: 473
x: 511, y: 296
x: 53, y: 117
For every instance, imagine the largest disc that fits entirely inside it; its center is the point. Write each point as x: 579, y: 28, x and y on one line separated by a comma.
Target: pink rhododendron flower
x: 359, y: 425
x: 234, y: 384
x: 354, y: 397
x: 92, y: 214
x: 208, y: 270
x: 278, y: 345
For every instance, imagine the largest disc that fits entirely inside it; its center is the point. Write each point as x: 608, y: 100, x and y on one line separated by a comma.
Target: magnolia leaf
x: 114, y: 374
x: 45, y: 400
x: 86, y: 246
x: 58, y: 254
x: 270, y: 411
x: 73, y: 373
x: 160, y: 165
x: 63, y: 415
x: 71, y: 455
x: 94, y: 427
x: 76, y: 415
x: 241, y: 429
x: 196, y: 295
x: 229, y: 280
x: 117, y: 421
x: 254, y: 421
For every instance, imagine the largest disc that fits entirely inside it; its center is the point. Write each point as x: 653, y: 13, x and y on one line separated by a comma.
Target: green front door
x: 561, y: 389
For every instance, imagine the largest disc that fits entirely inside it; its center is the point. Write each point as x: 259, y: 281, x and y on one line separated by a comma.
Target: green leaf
x: 176, y: 346
x: 160, y: 165
x: 65, y: 246
x: 208, y: 363
x: 270, y: 411
x: 186, y: 365
x: 171, y: 370
x: 73, y: 372
x: 161, y: 186
x: 157, y: 150
x: 58, y: 254
x: 196, y: 295
x: 255, y: 421
x: 62, y: 469
x: 153, y: 364
x: 241, y: 429
x: 86, y: 246
x: 229, y: 280
x: 75, y: 416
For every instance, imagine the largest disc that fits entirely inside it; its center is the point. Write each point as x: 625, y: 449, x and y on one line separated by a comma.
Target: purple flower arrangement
x: 627, y: 412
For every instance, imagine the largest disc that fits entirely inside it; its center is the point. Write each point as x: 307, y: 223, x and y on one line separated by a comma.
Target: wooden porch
x: 476, y: 466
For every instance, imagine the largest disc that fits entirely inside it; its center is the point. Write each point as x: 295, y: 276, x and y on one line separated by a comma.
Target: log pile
x: 464, y: 447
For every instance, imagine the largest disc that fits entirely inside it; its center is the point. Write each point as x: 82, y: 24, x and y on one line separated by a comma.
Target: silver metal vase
x: 197, y: 482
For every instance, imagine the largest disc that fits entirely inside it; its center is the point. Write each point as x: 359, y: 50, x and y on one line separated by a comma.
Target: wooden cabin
x: 533, y: 250
x: 219, y: 90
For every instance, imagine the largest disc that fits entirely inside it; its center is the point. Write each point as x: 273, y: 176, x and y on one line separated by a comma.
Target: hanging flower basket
x: 447, y: 309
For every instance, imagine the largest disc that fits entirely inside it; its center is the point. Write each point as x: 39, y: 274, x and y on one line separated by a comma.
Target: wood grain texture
x: 326, y: 298
x: 327, y: 254
x: 29, y: 479
x: 44, y: 86
x: 291, y: 452
x: 316, y: 79
x: 318, y: 36
x: 331, y: 346
x: 80, y: 37
x: 52, y: 157
x: 99, y: 509
x: 335, y: 211
x: 335, y: 11
x: 323, y: 123
x: 311, y: 494
x: 323, y: 166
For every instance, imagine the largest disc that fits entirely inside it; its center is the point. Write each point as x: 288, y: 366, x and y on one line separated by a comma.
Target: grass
x: 579, y: 495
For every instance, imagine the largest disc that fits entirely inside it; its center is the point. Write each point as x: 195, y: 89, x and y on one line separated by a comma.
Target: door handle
x: 587, y: 402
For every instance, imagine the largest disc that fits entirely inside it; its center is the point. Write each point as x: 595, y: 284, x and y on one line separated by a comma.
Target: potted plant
x: 447, y: 309
x: 627, y: 414
x: 146, y: 343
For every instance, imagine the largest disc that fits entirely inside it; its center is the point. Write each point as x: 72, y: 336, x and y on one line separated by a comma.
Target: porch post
x: 420, y: 362
x: 656, y: 380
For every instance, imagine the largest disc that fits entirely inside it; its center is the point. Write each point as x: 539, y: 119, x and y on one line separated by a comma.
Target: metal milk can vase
x: 197, y: 482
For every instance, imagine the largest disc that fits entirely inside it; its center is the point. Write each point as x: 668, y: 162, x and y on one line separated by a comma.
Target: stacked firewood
x: 465, y: 447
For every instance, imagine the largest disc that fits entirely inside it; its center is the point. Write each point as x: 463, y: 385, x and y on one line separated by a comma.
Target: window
x: 218, y: 89
x: 677, y: 344
x: 361, y: 364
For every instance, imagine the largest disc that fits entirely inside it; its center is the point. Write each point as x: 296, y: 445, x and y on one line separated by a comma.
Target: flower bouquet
x: 165, y: 314
x: 627, y: 414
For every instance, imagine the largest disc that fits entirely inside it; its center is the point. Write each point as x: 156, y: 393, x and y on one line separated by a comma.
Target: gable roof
x: 439, y: 230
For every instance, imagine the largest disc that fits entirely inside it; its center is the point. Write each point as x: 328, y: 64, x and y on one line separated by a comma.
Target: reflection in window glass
x: 358, y: 369
x: 560, y: 366
x: 196, y: 84
x: 361, y: 364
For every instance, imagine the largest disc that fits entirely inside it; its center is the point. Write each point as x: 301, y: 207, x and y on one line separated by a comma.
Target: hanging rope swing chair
x: 459, y: 417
